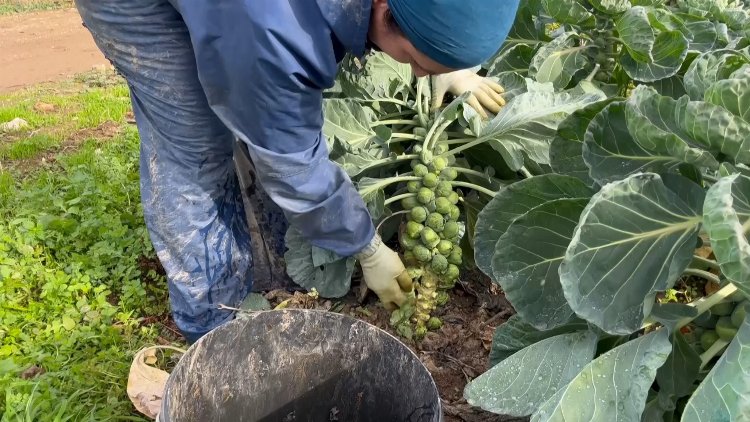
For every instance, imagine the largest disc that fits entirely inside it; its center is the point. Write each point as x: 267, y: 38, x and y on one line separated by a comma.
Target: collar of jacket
x: 349, y: 20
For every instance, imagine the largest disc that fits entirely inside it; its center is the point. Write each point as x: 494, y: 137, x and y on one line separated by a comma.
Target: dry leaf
x: 146, y: 383
x: 44, y: 107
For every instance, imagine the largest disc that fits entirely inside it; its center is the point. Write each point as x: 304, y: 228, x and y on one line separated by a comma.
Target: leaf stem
x: 381, y: 184
x: 421, y: 112
x: 712, y: 351
x: 392, y: 160
x: 377, y: 229
x: 473, y: 173
x: 702, y: 274
x: 398, y: 198
x: 526, y: 173
x: 456, y: 141
x: 394, y: 122
x: 710, y: 178
x: 704, y: 304
x: 705, y: 262
x: 405, y: 136
x: 404, y: 113
x: 464, y: 147
x: 477, y: 188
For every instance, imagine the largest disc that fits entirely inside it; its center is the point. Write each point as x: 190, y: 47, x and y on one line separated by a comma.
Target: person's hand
x: 485, y: 93
x: 385, y: 274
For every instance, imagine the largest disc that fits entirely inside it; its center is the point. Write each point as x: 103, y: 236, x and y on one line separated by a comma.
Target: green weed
x: 8, y: 7
x: 74, y: 289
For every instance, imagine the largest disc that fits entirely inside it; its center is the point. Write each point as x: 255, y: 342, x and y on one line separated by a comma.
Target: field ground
x: 81, y: 289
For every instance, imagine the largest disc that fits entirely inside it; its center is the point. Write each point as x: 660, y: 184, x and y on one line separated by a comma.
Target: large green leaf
x: 566, y: 151
x: 516, y: 59
x: 350, y: 122
x: 667, y: 54
x: 572, y: 12
x: 723, y: 394
x: 515, y: 334
x: 518, y: 385
x: 312, y: 267
x: 381, y: 78
x: 636, y: 33
x: 514, y: 201
x: 710, y: 67
x: 613, y: 387
x: 707, y: 35
x: 527, y: 31
x: 656, y: 121
x: 726, y: 216
x: 680, y: 370
x: 634, y: 238
x: 526, y: 125
x: 733, y: 94
x: 612, y: 153
x: 527, y: 257
x: 559, y: 60
x: 671, y: 87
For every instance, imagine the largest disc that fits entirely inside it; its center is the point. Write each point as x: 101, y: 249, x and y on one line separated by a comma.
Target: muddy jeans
x: 190, y: 191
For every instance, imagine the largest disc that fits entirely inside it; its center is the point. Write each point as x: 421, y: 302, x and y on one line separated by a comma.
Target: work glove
x: 485, y: 93
x: 384, y: 273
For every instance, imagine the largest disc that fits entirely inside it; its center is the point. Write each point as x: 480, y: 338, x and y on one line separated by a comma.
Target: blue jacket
x: 264, y: 65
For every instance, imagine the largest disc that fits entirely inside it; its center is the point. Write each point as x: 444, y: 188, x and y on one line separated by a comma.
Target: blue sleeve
x: 264, y: 65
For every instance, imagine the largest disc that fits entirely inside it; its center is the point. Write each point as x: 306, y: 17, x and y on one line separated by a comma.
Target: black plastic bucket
x: 300, y: 365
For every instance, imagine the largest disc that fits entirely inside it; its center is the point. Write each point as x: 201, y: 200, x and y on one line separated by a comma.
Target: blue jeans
x: 190, y: 191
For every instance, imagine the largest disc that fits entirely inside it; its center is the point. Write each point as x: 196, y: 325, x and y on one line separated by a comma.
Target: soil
x: 44, y: 46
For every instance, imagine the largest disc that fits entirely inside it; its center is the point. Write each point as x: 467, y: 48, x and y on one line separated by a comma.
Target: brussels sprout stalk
x: 485, y: 191
x: 704, y: 304
x: 385, y: 182
x: 398, y: 198
x: 712, y: 351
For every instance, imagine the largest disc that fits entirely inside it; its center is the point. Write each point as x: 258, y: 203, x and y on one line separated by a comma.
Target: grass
x: 8, y: 7
x: 76, y: 300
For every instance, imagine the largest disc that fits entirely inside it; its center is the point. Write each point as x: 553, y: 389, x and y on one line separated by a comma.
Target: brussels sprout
x: 449, y: 173
x: 452, y: 272
x: 408, y: 242
x: 708, y: 338
x: 431, y: 207
x: 453, y: 198
x: 419, y: 131
x: 455, y: 213
x: 450, y: 159
x: 445, y: 247
x: 706, y: 320
x: 426, y: 157
x: 442, y: 205
x: 430, y: 239
x: 425, y: 196
x: 443, y: 136
x: 434, y: 323
x: 430, y: 180
x: 724, y: 328
x: 421, y: 253
x: 420, y: 331
x: 456, y: 255
x: 738, y: 316
x: 418, y: 214
x: 442, y: 298
x: 414, y: 272
x: 444, y: 189
x: 450, y: 229
x: 437, y: 165
x: 414, y: 163
x: 420, y: 170
x: 413, y: 186
x: 414, y: 229
x: 722, y: 309
x: 439, y: 264
x: 435, y: 221
x: 442, y: 148
x: 409, y: 203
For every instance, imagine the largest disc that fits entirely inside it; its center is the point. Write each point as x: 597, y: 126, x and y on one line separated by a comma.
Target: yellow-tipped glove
x: 485, y: 93
x: 385, y: 274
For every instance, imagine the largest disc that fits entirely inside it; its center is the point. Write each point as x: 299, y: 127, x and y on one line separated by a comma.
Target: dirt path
x: 44, y: 46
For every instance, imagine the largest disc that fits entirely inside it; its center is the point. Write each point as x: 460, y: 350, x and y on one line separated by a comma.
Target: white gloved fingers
x: 494, y: 85
x: 474, y: 103
x: 486, y: 101
x: 494, y: 95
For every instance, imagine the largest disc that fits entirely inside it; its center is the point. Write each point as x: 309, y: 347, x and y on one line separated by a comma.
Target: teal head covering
x: 455, y: 33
